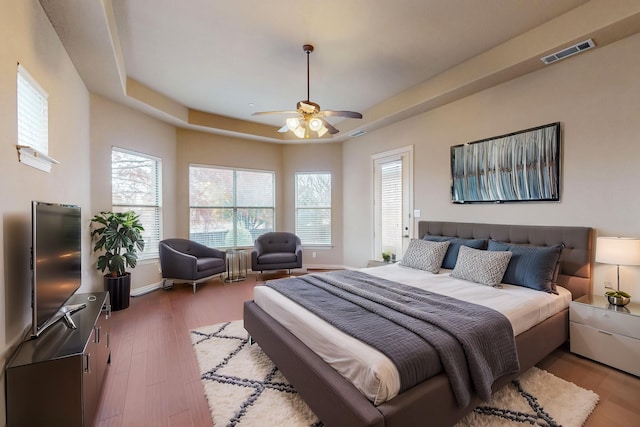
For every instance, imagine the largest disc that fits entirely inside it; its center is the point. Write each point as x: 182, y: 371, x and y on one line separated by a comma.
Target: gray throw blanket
x: 475, y: 344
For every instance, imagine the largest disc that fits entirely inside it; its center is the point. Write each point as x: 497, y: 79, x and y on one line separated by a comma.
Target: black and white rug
x: 244, y: 388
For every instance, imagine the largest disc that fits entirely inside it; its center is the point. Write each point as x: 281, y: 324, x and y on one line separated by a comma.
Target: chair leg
x: 194, y: 288
x: 165, y: 286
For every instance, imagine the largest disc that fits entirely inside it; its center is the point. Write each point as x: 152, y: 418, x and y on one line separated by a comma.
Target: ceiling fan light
x: 315, y: 124
x: 322, y: 131
x: 293, y: 123
x: 300, y: 131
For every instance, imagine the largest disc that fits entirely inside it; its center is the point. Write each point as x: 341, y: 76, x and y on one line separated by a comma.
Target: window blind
x: 313, y: 208
x: 136, y: 186
x: 33, y: 113
x: 391, y: 205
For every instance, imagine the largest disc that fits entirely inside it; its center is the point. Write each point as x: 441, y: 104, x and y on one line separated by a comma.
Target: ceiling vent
x: 357, y: 133
x: 571, y: 50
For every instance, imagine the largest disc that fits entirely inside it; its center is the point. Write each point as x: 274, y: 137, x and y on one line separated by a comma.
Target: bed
x: 338, y: 402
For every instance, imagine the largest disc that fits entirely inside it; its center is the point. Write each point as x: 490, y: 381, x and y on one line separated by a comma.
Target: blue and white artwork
x: 521, y: 166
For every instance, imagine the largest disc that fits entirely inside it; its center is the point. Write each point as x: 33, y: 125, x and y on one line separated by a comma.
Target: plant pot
x: 119, y: 289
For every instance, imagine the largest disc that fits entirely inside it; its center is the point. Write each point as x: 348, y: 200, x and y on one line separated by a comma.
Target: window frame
x: 151, y: 248
x: 234, y: 207
x: 300, y: 233
x: 32, y: 121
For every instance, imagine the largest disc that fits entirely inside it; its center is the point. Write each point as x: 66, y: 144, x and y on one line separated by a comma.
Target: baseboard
x: 137, y: 292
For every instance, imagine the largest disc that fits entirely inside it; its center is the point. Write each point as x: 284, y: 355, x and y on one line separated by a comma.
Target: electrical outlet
x: 313, y: 254
x: 607, y: 285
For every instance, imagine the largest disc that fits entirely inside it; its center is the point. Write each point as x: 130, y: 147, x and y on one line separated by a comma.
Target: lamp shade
x: 618, y: 251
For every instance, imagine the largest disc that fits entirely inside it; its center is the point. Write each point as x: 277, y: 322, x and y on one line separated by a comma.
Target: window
x: 313, y: 208
x: 33, y: 122
x: 135, y: 186
x: 230, y: 207
x: 391, y: 206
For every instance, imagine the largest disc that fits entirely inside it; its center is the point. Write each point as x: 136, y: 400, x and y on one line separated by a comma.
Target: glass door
x: 392, y: 203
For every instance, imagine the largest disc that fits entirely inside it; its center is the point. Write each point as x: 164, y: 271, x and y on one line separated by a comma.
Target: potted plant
x: 118, y: 239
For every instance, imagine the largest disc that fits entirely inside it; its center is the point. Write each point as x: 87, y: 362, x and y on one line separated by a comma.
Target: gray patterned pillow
x: 425, y: 255
x: 486, y: 267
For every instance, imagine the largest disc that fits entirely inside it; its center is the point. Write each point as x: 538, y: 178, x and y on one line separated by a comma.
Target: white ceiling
x: 235, y: 57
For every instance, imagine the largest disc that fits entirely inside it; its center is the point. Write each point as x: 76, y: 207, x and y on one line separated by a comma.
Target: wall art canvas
x: 520, y: 166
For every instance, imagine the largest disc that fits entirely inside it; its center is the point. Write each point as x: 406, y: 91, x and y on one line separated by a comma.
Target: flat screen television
x: 56, y: 261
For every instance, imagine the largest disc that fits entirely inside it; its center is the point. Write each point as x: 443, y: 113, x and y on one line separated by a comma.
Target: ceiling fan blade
x: 333, y: 113
x: 329, y: 126
x: 284, y: 128
x: 260, y: 113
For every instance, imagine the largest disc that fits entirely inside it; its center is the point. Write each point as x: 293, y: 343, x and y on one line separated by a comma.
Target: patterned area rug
x: 244, y: 388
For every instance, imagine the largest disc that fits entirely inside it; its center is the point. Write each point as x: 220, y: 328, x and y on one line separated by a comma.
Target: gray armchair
x: 183, y: 260
x: 276, y: 251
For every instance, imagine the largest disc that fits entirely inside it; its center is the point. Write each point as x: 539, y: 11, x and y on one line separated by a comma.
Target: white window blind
x: 313, y: 208
x: 391, y: 206
x: 33, y: 113
x: 136, y: 186
x: 230, y: 207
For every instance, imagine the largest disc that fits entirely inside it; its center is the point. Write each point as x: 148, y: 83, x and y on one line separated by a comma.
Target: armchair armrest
x: 205, y: 251
x: 299, y: 251
x: 177, y: 264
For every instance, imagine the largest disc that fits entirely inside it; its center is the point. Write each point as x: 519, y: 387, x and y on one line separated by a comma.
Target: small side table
x: 606, y: 333
x: 236, y: 265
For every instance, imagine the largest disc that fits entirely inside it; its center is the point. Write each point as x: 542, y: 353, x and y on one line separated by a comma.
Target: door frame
x: 405, y: 152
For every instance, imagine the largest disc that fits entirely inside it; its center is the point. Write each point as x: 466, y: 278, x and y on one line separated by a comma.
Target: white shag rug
x: 244, y: 388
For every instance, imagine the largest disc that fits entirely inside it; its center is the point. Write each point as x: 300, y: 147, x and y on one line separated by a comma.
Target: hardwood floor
x: 153, y: 379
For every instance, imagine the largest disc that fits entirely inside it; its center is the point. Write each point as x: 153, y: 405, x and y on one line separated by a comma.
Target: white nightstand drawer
x: 605, y: 319
x: 615, y: 350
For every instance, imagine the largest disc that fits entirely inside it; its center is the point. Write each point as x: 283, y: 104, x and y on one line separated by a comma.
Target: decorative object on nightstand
x: 618, y: 251
x: 606, y: 333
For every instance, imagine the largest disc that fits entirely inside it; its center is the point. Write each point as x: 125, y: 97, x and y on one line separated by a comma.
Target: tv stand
x: 57, y: 377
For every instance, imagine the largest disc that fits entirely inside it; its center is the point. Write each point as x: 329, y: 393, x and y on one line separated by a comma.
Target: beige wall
x: 114, y: 125
x: 596, y: 97
x: 28, y: 38
x: 316, y: 158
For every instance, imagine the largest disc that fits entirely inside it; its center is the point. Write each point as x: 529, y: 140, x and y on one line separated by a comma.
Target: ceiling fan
x: 309, y: 117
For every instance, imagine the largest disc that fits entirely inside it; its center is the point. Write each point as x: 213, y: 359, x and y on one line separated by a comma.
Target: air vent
x: 357, y: 133
x: 571, y: 50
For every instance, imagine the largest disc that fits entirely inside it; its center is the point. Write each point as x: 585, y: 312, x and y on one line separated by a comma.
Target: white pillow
x: 486, y: 267
x: 425, y: 255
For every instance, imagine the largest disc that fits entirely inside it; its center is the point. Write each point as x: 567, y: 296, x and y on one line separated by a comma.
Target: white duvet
x: 371, y: 371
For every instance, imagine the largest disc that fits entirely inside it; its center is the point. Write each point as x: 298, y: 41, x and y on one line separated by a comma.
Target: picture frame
x: 522, y: 166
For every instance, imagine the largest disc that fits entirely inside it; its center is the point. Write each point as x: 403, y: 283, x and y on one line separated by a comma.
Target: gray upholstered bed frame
x: 338, y: 403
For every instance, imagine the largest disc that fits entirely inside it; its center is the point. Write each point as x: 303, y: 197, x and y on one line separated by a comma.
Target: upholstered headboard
x: 575, y: 260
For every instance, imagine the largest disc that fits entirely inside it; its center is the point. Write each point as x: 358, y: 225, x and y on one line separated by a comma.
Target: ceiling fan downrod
x: 307, y: 48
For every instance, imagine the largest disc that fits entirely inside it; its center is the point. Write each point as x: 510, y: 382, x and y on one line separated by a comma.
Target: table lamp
x: 618, y: 251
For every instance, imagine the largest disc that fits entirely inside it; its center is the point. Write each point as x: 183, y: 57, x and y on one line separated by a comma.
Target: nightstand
x: 378, y: 263
x: 606, y: 333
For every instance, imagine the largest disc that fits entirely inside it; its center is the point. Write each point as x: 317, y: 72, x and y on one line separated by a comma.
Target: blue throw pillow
x: 451, y: 256
x: 530, y: 266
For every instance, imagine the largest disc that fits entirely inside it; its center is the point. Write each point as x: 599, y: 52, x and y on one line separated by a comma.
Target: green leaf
x: 117, y: 235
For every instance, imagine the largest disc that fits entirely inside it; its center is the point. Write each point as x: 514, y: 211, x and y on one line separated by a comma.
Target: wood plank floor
x: 153, y: 379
